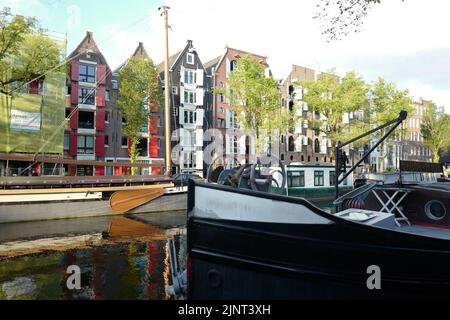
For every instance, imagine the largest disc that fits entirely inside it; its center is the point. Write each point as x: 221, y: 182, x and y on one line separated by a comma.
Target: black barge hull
x: 262, y: 246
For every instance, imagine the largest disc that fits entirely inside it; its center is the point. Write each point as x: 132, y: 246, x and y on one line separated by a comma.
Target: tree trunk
x: 133, y: 156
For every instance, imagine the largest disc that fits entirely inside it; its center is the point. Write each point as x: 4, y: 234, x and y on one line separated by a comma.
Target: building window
x: 282, y: 157
x: 282, y: 139
x: 190, y: 117
x: 66, y: 142
x: 190, y: 76
x: 159, y: 122
x: 332, y: 178
x: 296, y: 179
x: 142, y: 148
x: 114, y: 84
x: 318, y: 178
x: 107, y: 98
x: 86, y: 120
x: 190, y: 58
x: 189, y: 97
x: 174, y: 90
x: 85, y: 145
x: 124, y: 142
x: 235, y: 145
x: 106, y: 141
x: 86, y: 96
x: 316, y: 146
x: 107, y: 116
x: 87, y: 73
x: 233, y: 65
x: 291, y: 144
x: 291, y: 106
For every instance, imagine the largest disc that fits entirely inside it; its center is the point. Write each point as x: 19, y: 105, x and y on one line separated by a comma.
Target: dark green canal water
x: 127, y: 269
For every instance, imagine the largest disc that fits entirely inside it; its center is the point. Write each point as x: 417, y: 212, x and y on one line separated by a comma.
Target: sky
x: 405, y: 42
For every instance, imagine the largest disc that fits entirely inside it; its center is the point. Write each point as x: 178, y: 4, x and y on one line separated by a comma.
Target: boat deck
x: 426, y: 231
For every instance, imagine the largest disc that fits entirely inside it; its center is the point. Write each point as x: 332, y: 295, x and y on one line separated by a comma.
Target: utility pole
x: 167, y: 93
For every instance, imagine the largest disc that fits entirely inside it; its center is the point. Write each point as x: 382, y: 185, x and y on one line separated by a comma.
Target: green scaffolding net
x: 34, y: 123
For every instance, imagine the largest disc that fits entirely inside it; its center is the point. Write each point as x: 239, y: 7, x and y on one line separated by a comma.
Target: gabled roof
x: 213, y: 62
x: 172, y: 60
x: 241, y: 52
x: 139, y: 53
x: 88, y: 43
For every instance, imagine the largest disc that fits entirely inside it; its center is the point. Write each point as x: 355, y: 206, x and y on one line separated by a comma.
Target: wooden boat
x: 47, y: 204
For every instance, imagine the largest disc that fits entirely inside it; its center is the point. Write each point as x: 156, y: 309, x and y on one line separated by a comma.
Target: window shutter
x: 242, y: 146
x: 228, y: 145
x: 200, y: 117
x: 100, y: 146
x: 298, y: 144
x: 73, y: 144
x: 74, y: 120
x: 181, y: 95
x: 199, y: 138
x: 200, y: 73
x: 228, y: 67
x: 74, y: 94
x: 182, y: 137
x: 100, y: 120
x: 101, y: 74
x: 153, y: 147
x: 101, y: 92
x: 153, y: 125
x: 199, y: 97
x: 181, y: 115
x: 228, y: 120
x: 75, y: 70
x: 182, y: 70
x: 199, y: 160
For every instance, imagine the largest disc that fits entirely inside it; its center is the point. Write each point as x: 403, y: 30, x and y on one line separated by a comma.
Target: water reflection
x: 129, y: 261
x: 123, y: 267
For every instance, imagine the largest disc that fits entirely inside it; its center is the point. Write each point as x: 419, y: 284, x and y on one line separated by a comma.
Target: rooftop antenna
x: 165, y: 13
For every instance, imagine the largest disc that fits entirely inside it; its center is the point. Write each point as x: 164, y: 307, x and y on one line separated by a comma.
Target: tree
x: 25, y: 52
x: 386, y: 104
x: 435, y: 130
x: 334, y: 99
x: 138, y: 84
x: 342, y: 17
x: 254, y: 98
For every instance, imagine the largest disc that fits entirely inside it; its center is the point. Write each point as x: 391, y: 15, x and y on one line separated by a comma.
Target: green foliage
x: 333, y: 99
x: 386, y: 104
x: 254, y: 98
x: 388, y: 101
x: 138, y: 83
x: 25, y: 51
x: 436, y: 130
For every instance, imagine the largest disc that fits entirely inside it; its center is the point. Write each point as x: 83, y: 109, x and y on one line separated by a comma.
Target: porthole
x: 435, y: 210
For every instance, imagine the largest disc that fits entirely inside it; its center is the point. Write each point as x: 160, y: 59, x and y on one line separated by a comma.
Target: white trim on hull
x: 250, y: 209
x: 22, y: 212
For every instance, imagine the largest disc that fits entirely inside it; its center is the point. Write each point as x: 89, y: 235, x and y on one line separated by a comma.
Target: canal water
x: 123, y: 258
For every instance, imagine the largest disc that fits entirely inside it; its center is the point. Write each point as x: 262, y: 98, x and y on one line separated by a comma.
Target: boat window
x: 332, y: 178
x: 435, y: 210
x: 318, y: 178
x: 296, y: 179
